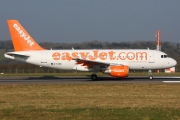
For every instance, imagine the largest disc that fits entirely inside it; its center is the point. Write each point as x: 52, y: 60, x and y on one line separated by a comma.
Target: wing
x: 17, y: 55
x: 91, y: 63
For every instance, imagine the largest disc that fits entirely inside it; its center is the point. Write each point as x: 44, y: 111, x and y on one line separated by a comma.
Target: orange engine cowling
x: 118, y: 71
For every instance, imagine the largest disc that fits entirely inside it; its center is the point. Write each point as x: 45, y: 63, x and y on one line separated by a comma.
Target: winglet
x: 21, y: 39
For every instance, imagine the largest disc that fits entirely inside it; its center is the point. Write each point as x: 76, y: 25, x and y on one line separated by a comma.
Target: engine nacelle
x: 118, y: 71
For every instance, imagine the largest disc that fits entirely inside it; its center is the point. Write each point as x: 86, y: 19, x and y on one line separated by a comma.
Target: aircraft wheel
x: 93, y: 77
x: 150, y: 77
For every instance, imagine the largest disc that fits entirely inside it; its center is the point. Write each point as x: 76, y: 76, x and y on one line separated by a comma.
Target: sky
x: 75, y: 21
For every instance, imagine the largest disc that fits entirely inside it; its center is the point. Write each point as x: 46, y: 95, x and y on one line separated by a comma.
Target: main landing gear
x: 93, y: 77
x: 150, y: 74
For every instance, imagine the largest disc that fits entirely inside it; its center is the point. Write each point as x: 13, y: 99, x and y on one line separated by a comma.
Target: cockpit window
x: 163, y: 56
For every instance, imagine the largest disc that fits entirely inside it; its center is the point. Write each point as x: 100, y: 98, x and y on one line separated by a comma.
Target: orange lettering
x: 103, y: 55
x: 56, y: 56
x: 141, y: 55
x: 111, y: 55
x: 66, y: 56
x: 122, y: 55
x: 129, y: 55
x: 84, y: 55
x: 95, y: 55
x: 75, y: 54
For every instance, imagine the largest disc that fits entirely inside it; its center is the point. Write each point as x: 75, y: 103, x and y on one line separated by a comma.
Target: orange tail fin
x: 21, y: 39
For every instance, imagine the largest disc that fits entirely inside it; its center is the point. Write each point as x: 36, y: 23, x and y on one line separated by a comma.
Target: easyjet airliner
x: 116, y: 62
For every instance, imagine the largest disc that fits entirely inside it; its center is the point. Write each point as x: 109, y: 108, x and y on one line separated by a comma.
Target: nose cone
x: 173, y: 62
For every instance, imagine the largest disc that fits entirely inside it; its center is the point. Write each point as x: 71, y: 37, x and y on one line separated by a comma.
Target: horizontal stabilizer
x: 16, y: 55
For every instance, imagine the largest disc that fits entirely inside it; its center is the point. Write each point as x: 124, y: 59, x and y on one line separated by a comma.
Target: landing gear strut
x: 150, y: 74
x: 93, y: 77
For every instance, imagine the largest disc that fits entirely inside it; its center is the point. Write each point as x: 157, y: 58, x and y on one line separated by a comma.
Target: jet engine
x: 118, y: 71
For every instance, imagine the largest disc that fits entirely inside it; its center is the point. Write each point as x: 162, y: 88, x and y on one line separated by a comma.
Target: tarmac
x: 87, y: 80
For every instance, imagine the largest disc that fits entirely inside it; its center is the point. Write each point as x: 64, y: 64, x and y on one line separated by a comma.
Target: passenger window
x: 161, y: 56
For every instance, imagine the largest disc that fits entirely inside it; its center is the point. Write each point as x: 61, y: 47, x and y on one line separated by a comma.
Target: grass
x: 90, y: 101
x: 93, y: 114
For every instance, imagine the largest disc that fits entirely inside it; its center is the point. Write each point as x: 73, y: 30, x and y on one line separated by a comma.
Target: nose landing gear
x: 150, y: 74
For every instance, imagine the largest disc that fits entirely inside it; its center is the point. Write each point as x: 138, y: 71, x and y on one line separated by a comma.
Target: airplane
x: 116, y: 62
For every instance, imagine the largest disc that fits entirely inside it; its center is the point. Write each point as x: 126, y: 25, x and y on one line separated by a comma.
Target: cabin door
x: 151, y: 57
x: 43, y: 57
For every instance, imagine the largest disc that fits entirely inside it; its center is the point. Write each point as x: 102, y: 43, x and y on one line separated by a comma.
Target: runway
x: 86, y: 80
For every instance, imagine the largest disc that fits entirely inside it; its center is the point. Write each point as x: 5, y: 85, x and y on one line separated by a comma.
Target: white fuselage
x: 65, y: 59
